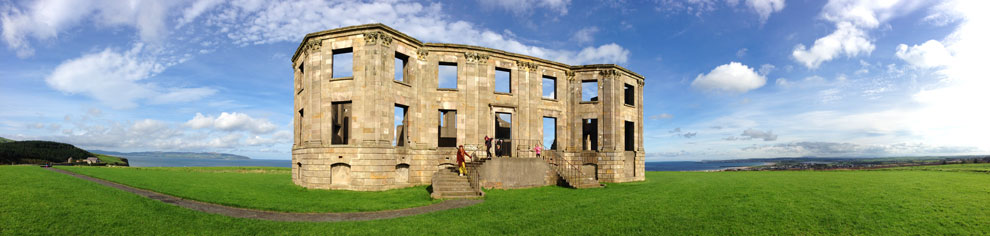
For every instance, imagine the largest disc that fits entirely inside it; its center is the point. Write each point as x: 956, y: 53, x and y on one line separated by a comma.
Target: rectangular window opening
x: 549, y: 87
x: 299, y: 127
x: 400, y: 125
x: 343, y: 63
x: 550, y: 133
x: 447, y: 129
x: 630, y: 95
x: 400, y: 66
x: 589, y: 134
x: 447, y: 75
x: 630, y: 130
x: 341, y: 122
x: 503, y: 80
x: 589, y: 91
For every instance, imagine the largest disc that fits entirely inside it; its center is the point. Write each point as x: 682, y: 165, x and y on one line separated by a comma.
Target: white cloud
x: 586, y: 35
x: 661, y: 116
x: 852, y: 19
x: 847, y: 39
x: 286, y: 21
x: 927, y: 55
x: 765, y: 7
x: 732, y: 77
x: 527, y: 6
x: 114, y: 78
x: 741, y: 52
x: 232, y: 122
x: 45, y: 19
x: 197, y: 8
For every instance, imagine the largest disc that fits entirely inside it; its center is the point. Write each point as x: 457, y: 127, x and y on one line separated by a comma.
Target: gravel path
x: 279, y: 216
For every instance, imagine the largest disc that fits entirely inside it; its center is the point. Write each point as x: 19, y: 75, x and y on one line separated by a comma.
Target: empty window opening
x: 299, y: 127
x: 550, y: 133
x: 503, y: 80
x: 630, y: 95
x: 589, y: 91
x: 589, y: 134
x: 302, y: 67
x: 549, y: 87
x: 447, y: 129
x: 341, y: 122
x: 630, y: 130
x: 343, y: 63
x: 400, y: 125
x: 447, y: 75
x: 503, y: 133
x: 400, y: 66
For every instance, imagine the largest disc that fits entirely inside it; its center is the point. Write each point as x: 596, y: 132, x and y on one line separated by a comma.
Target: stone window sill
x: 549, y: 99
x: 589, y: 102
x: 447, y: 89
x: 502, y: 93
x: 342, y: 78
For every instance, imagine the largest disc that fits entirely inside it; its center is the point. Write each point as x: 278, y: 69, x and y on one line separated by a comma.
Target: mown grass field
x: 898, y: 202
x: 266, y: 188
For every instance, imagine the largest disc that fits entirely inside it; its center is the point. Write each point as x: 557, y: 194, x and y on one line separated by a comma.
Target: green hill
x: 4, y: 140
x: 36, y: 152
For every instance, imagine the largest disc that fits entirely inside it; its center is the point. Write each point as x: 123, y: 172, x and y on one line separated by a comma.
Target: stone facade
x: 345, y: 133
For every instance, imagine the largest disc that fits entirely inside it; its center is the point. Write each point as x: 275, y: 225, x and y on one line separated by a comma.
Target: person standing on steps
x: 460, y: 160
x: 538, y: 148
x: 498, y: 148
x: 488, y: 146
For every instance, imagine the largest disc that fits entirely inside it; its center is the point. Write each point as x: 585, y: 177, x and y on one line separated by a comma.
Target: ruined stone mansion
x: 376, y: 109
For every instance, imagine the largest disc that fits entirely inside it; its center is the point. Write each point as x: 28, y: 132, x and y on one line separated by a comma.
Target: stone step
x: 458, y: 194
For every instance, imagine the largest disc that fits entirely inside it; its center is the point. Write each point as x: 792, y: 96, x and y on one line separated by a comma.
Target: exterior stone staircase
x: 572, y: 174
x: 448, y: 185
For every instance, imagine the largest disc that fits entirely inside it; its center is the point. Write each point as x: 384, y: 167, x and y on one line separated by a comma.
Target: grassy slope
x: 268, y: 188
x: 109, y: 159
x: 4, y: 140
x: 675, y: 203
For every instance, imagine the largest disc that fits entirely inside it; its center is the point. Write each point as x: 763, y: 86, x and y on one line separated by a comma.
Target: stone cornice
x: 358, y: 29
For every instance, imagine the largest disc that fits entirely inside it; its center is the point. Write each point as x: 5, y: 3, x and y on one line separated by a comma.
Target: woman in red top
x: 460, y: 159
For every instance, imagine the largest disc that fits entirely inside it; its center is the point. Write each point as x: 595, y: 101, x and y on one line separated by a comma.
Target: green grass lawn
x: 111, y: 160
x: 669, y: 203
x: 267, y: 188
x: 980, y: 167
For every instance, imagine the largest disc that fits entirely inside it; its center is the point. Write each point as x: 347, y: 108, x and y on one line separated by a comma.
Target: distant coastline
x: 699, y: 165
x: 183, y: 155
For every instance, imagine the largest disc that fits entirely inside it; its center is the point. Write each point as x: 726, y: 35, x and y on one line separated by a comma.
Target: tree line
x: 39, y: 152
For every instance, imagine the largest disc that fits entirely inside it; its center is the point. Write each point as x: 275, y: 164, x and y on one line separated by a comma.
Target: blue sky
x: 725, y: 79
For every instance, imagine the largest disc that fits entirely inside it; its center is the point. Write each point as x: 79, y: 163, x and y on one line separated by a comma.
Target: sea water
x: 184, y: 162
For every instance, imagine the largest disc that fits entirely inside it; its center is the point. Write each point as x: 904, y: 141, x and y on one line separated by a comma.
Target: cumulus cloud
x: 927, y: 55
x: 585, y: 35
x: 231, y: 122
x: 151, y: 134
x: 733, y: 77
x: 764, y: 8
x: 45, y: 19
x: 527, y: 6
x: 852, y: 20
x: 115, y: 78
